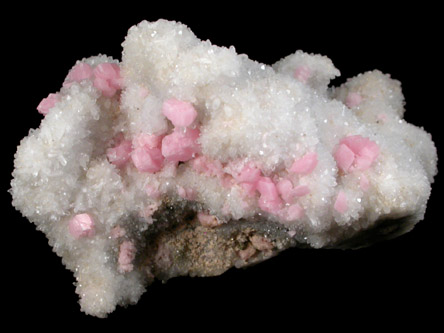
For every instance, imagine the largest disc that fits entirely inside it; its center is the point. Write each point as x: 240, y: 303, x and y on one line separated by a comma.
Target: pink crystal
x: 104, y: 86
x: 269, y: 200
x: 267, y: 188
x: 302, y: 73
x: 127, y: 254
x: 249, y: 174
x: 341, y: 202
x: 285, y: 189
x: 261, y: 243
x: 301, y: 190
x: 344, y: 157
x: 269, y: 205
x: 209, y: 167
x: 47, y: 103
x: 306, y: 164
x: 107, y: 78
x: 147, y: 159
x: 364, y: 152
x: 295, y: 212
x: 366, y: 156
x: 147, y: 140
x: 208, y: 220
x: 180, y: 113
x: 120, y: 154
x: 81, y: 225
x: 143, y: 92
x: 181, y: 146
x: 80, y: 72
x: 353, y: 99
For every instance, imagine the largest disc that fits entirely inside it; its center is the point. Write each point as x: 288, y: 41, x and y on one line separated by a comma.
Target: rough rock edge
x: 185, y: 247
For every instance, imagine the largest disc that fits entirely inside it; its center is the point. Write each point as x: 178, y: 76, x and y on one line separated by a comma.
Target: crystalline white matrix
x: 187, y: 159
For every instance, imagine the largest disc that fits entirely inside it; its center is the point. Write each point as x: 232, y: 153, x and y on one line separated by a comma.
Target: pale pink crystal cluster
x: 187, y: 158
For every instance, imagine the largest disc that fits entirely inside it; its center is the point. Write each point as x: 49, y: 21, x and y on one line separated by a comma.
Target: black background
x: 397, y: 281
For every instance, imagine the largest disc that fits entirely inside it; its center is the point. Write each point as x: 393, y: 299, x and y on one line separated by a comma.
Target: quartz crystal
x: 186, y: 158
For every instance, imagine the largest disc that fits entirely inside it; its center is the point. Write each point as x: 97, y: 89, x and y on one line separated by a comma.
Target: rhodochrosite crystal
x: 186, y: 158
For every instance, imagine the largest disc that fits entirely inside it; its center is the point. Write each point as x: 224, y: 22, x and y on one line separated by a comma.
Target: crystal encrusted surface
x: 187, y: 159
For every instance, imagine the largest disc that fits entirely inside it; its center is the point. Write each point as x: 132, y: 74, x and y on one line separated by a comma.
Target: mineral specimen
x: 188, y: 159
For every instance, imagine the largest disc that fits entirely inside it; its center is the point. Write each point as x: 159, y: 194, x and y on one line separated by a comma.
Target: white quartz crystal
x: 248, y: 114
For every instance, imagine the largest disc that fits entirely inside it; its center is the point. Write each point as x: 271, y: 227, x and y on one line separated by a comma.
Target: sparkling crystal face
x: 185, y: 158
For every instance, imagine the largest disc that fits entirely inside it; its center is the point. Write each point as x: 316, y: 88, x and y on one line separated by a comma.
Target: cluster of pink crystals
x: 356, y: 153
x: 147, y: 156
x: 275, y: 195
x: 106, y: 78
x: 181, y: 145
x: 151, y: 153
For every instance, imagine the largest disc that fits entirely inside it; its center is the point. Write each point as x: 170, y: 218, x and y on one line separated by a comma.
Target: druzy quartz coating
x: 186, y: 158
